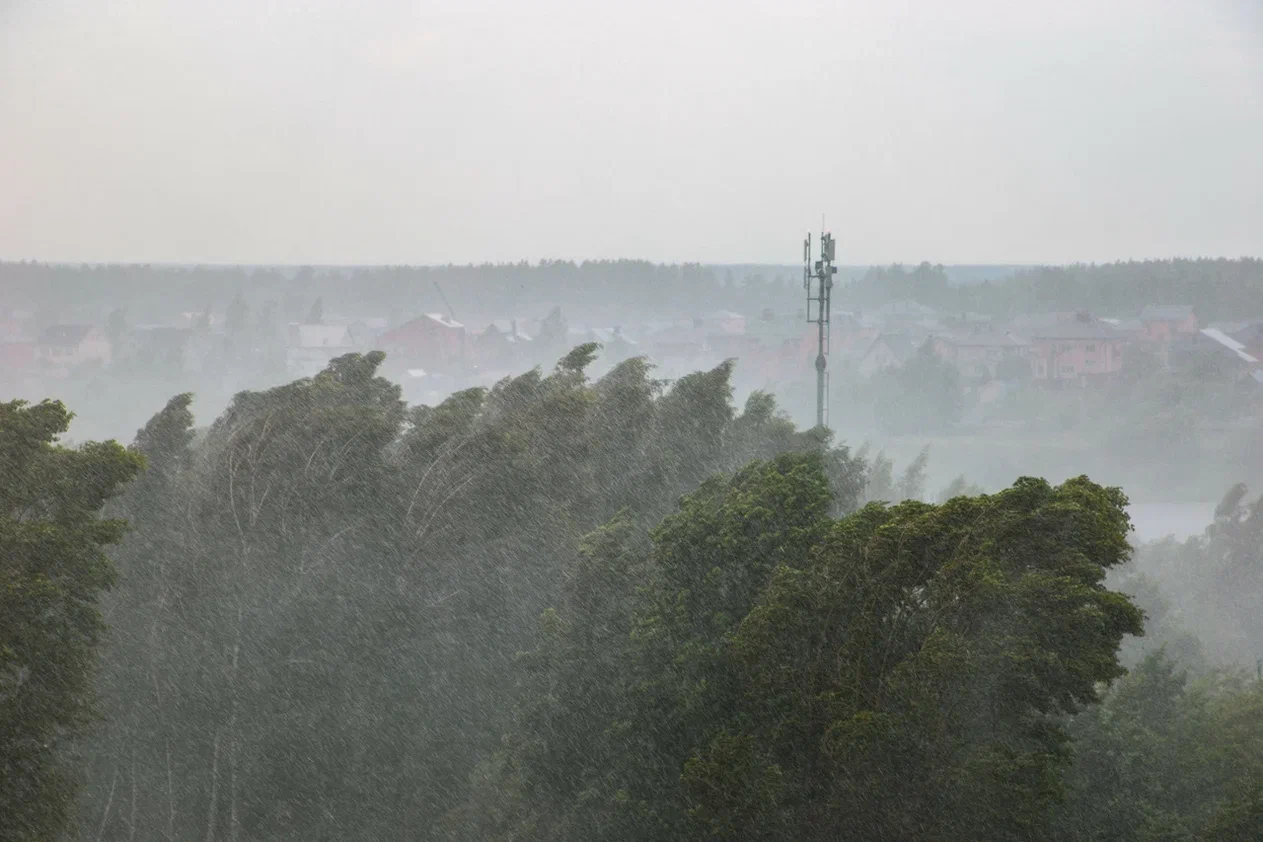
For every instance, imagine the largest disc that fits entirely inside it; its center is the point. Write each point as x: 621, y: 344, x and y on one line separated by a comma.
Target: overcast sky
x: 385, y: 131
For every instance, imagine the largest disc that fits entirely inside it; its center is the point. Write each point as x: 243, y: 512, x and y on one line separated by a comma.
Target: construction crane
x: 450, y: 315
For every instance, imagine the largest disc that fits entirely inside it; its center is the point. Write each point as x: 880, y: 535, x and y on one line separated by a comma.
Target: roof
x: 446, y: 321
x: 1030, y: 321
x: 1229, y: 343
x: 64, y: 335
x: 1166, y: 313
x: 984, y: 339
x: 1080, y: 328
x: 1125, y: 325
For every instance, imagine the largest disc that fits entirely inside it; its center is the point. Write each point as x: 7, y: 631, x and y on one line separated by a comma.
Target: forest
x: 1218, y: 288
x: 581, y: 608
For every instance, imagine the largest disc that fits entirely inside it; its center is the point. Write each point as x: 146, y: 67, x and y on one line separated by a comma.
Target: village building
x: 433, y: 342
x: 62, y: 347
x: 501, y: 344
x: 887, y: 351
x: 1084, y: 350
x: 312, y: 346
x: 979, y: 354
x: 1167, y: 323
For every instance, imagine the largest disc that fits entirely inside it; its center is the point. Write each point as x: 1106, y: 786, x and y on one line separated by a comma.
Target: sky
x: 384, y: 131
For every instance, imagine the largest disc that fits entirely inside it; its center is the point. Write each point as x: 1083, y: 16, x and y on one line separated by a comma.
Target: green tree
x: 1167, y: 757
x: 53, y: 570
x: 899, y: 673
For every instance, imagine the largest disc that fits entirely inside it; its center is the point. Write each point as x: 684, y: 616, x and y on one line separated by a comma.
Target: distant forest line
x: 1217, y: 288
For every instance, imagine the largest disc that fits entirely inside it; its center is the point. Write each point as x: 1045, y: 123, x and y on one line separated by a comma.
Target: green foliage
x: 1167, y: 758
x: 903, y: 672
x: 52, y: 571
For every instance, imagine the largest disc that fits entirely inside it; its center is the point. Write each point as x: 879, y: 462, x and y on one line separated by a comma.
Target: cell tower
x: 818, y: 283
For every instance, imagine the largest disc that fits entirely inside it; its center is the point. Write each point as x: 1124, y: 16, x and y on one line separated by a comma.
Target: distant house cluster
x: 1060, y: 348
x: 430, y: 353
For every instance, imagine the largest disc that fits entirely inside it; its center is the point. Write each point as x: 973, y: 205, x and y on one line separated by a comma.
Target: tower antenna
x: 818, y: 284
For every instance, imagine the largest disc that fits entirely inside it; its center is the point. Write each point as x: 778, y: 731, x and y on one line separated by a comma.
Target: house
x: 888, y: 350
x: 500, y: 343
x: 979, y: 354
x: 433, y: 341
x: 1084, y: 350
x: 64, y: 346
x: 1166, y: 323
x: 781, y: 346
x: 312, y: 346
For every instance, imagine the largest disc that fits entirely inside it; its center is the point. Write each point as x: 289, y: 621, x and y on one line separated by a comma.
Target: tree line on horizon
x: 1217, y: 288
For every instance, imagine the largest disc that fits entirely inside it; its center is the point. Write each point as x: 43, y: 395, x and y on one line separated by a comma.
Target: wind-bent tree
x: 325, y: 590
x: 53, y: 569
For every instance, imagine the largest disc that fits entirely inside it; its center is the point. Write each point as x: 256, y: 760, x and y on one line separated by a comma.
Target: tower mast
x: 818, y: 284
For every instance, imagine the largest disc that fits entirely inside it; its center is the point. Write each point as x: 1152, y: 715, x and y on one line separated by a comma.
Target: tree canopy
x: 53, y: 569
x: 760, y: 670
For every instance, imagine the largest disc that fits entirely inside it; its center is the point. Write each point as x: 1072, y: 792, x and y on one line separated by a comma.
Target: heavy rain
x: 516, y: 422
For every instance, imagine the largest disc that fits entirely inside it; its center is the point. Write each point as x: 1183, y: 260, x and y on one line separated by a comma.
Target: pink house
x: 1168, y: 322
x: 1085, y: 350
x: 432, y: 341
